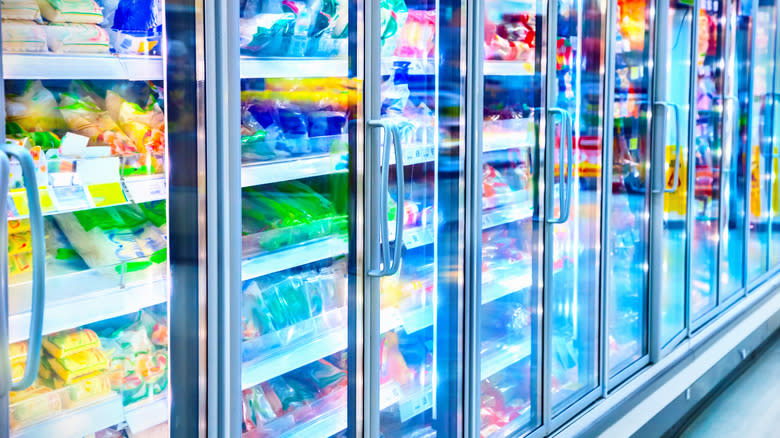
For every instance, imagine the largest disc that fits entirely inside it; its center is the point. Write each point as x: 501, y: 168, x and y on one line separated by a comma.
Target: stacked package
x: 81, y: 26
x: 19, y: 247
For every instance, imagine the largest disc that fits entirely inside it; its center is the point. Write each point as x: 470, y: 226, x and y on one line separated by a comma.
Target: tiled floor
x: 749, y: 407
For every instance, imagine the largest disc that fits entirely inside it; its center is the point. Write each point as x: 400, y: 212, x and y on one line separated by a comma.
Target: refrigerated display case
x: 87, y: 220
x: 763, y: 105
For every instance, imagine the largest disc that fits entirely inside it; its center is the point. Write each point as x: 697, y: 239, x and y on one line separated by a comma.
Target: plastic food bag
x: 23, y: 36
x: 20, y: 10
x: 71, y: 11
x: 114, y: 235
x: 35, y: 110
x: 84, y: 117
x: 140, y: 124
x: 76, y: 38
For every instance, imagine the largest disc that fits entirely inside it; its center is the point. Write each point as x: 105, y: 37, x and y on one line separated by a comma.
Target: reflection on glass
x: 509, y: 334
x: 576, y: 247
x: 735, y: 151
x: 627, y: 295
x: 707, y: 157
x: 408, y: 93
x: 672, y: 284
x: 763, y: 71
x: 294, y: 224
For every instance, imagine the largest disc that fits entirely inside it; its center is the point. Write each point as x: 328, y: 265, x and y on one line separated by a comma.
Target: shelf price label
x: 416, y: 404
x: 104, y: 195
x: 19, y: 199
x: 146, y: 189
x: 389, y: 394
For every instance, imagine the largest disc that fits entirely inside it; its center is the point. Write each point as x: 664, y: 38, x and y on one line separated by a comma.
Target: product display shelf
x: 414, y: 237
x: 416, y: 153
x: 496, y: 288
x: 335, y: 420
x: 77, y: 422
x: 522, y: 421
x: 506, y: 214
x: 305, y: 351
x: 297, y: 255
x: 508, y: 68
x: 490, y: 144
x: 144, y: 415
x: 416, y: 66
x: 267, y: 172
x: 293, y: 67
x: 496, y: 361
x: 58, y: 66
x: 100, y: 294
x: 70, y: 198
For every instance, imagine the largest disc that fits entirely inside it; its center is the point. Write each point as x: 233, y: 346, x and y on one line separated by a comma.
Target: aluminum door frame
x: 4, y: 397
x: 223, y: 124
x: 189, y: 242
x: 749, y: 158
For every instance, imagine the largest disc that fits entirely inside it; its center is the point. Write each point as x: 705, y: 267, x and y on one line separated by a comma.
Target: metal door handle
x: 564, y: 201
x: 384, y: 168
x: 677, y: 139
x: 391, y: 135
x: 38, y: 264
x: 400, y: 205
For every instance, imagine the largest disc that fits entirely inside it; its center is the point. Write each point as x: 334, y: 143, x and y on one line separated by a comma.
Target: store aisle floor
x: 748, y: 407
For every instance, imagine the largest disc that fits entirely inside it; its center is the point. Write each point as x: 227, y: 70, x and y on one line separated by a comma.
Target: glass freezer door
x: 763, y: 105
x: 509, y: 341
x: 735, y: 150
x: 707, y: 154
x: 297, y: 123
x: 85, y: 219
x: 675, y: 95
x: 572, y: 196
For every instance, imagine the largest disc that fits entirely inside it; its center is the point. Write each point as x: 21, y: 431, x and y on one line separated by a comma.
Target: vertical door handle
x: 678, y: 141
x: 38, y: 264
x: 383, y: 167
x: 564, y: 192
x: 400, y: 209
x: 391, y: 136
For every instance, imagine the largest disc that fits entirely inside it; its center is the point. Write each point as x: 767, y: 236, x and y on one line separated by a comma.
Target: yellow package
x: 18, y: 226
x: 70, y: 342
x: 19, y: 243
x: 33, y: 404
x: 17, y: 352
x: 86, y: 390
x: 20, y: 263
x: 78, y: 365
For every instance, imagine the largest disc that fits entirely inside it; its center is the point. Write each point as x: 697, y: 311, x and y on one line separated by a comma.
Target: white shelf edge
x: 82, y: 66
x: 77, y: 422
x: 293, y: 67
x: 258, y: 173
x: 94, y: 306
x: 508, y: 68
x: 147, y: 414
x: 287, y: 258
x: 499, y: 361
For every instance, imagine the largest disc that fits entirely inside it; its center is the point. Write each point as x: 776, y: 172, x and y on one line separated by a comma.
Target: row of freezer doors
x: 434, y: 218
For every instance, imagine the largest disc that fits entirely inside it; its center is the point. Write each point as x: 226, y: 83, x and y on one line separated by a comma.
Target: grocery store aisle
x: 748, y: 407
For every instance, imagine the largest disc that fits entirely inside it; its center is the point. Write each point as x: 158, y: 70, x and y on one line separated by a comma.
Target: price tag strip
x: 415, y: 403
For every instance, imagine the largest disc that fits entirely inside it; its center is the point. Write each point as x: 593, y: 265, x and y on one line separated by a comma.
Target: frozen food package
x: 87, y: 390
x: 23, y: 36
x: 34, y: 109
x: 113, y: 235
x: 138, y: 123
x: 20, y: 10
x: 71, y: 11
x: 69, y: 342
x: 85, y: 117
x: 76, y: 38
x: 136, y: 27
x: 33, y: 404
x: 78, y: 365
